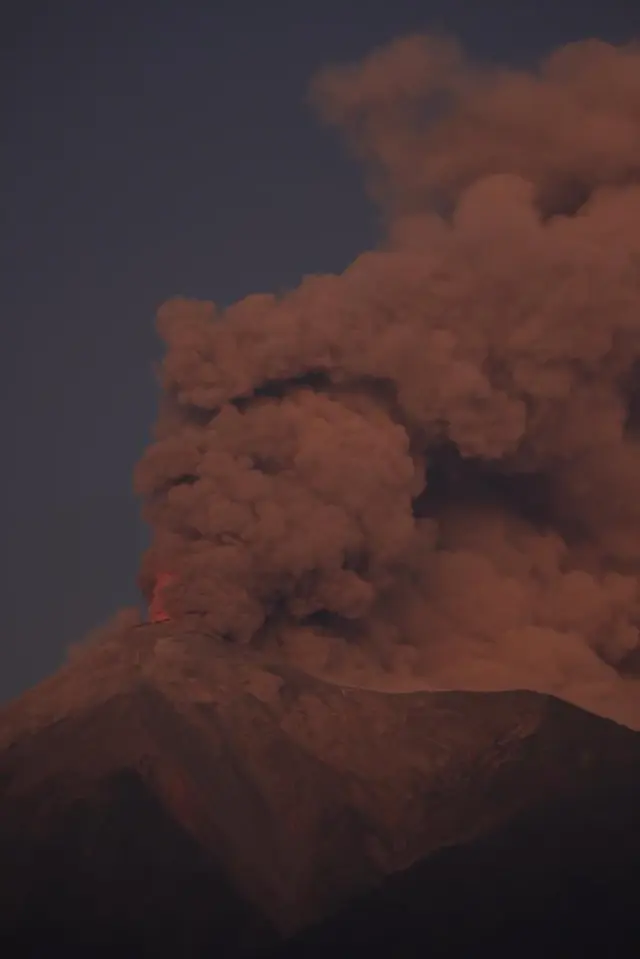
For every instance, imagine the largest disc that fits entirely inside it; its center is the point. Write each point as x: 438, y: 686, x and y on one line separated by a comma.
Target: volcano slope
x: 166, y: 795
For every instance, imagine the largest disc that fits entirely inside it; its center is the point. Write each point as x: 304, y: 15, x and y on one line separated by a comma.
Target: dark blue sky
x: 157, y: 147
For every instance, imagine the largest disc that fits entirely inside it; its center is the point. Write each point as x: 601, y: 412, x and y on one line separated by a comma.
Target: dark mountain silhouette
x: 166, y: 795
x: 559, y: 880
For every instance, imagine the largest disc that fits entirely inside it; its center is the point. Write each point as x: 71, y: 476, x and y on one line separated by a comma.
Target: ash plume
x: 426, y: 470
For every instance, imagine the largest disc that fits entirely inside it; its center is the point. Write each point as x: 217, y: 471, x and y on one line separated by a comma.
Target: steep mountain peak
x: 287, y: 794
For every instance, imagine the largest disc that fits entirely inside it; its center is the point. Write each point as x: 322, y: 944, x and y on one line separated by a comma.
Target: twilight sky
x: 152, y: 149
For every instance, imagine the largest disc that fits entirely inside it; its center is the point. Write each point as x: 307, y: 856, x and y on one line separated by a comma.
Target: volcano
x: 164, y: 794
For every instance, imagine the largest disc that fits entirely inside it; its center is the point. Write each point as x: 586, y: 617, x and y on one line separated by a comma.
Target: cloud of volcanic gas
x: 426, y: 470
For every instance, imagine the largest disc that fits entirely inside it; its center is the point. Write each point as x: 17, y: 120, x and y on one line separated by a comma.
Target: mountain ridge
x: 300, y: 795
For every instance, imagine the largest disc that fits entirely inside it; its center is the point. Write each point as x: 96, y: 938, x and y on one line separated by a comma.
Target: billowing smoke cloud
x: 426, y: 470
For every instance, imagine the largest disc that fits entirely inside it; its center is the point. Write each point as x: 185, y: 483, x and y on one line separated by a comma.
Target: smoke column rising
x: 425, y: 472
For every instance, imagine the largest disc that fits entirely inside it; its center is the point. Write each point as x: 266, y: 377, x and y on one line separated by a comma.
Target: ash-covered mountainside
x: 168, y: 795
x: 560, y: 879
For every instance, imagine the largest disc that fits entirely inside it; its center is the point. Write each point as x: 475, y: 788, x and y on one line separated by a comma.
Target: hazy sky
x: 151, y: 149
